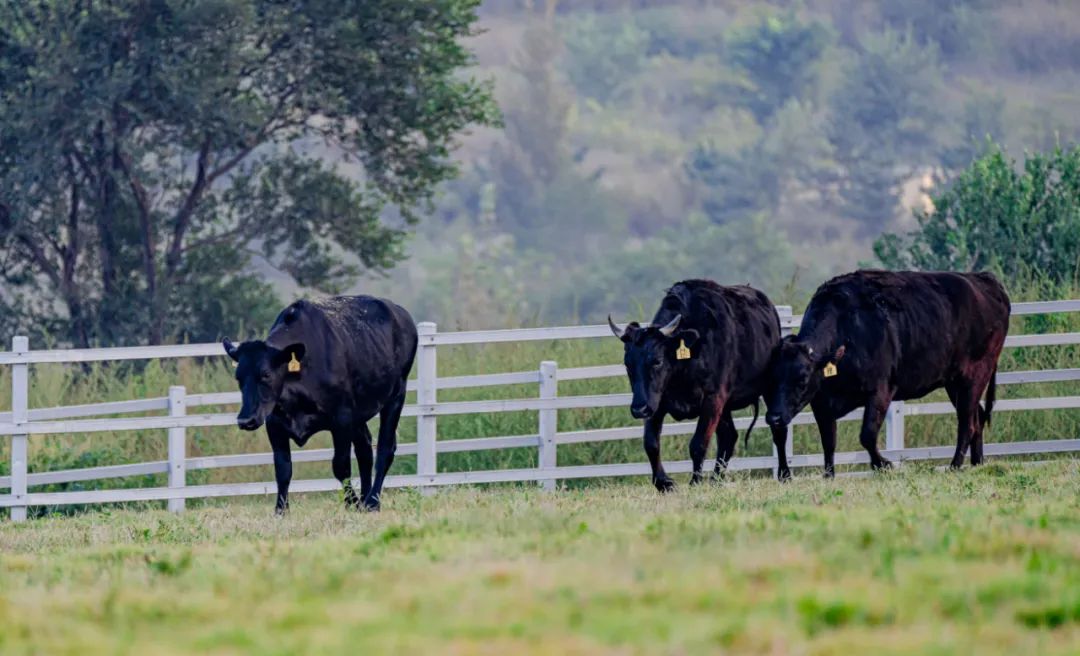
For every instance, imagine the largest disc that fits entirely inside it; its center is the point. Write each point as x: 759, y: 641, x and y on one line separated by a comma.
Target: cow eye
x: 266, y: 375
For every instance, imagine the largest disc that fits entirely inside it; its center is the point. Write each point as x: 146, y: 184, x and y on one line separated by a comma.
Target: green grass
x: 917, y: 561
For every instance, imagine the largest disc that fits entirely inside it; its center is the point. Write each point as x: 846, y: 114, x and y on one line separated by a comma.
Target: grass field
x: 979, y: 561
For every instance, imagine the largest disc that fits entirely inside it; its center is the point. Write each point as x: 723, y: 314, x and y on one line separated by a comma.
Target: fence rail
x: 21, y: 422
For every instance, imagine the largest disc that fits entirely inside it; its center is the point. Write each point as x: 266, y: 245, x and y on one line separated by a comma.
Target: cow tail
x: 991, y: 396
x: 757, y: 408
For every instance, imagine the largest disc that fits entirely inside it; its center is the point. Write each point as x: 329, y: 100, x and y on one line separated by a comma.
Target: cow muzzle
x: 248, y: 423
x: 642, y: 411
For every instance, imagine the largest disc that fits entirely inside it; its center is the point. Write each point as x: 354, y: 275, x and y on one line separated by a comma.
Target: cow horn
x: 669, y: 329
x: 619, y: 332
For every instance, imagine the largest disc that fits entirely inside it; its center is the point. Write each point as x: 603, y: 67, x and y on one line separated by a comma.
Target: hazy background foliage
x: 745, y: 141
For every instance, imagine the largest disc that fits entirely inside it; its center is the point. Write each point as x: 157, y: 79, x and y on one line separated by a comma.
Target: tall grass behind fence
x: 56, y: 385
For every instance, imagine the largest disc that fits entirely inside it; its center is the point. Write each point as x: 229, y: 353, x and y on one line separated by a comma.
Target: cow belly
x: 911, y: 394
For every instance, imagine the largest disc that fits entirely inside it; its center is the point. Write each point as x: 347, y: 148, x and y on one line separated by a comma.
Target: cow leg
x: 726, y: 438
x: 977, y: 436
x: 826, y: 424
x: 384, y: 457
x: 779, y: 438
x: 660, y: 479
x: 706, y: 426
x: 978, y: 387
x: 873, y: 416
x: 279, y: 442
x: 342, y: 466
x: 953, y: 390
x: 967, y: 418
x: 364, y: 456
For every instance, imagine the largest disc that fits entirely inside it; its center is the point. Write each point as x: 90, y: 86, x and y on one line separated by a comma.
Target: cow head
x: 651, y: 356
x: 261, y: 373
x: 796, y: 375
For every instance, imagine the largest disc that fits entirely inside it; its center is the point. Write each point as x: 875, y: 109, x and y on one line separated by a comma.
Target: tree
x: 996, y: 216
x: 790, y: 155
x: 957, y: 27
x: 152, y: 148
x: 602, y: 53
x: 884, y: 120
x: 541, y: 195
x: 746, y: 250
x: 981, y: 123
x: 780, y: 56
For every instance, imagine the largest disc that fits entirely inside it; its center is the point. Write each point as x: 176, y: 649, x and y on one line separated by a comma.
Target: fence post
x: 785, y: 314
x: 789, y: 446
x: 549, y: 389
x: 894, y: 427
x: 426, y: 373
x: 20, y: 401
x: 177, y: 447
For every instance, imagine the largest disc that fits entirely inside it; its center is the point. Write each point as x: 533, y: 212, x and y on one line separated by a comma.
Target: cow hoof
x: 828, y: 473
x: 697, y: 479
x: 372, y: 504
x: 281, y: 512
x: 784, y: 475
x: 665, y: 485
x: 882, y: 465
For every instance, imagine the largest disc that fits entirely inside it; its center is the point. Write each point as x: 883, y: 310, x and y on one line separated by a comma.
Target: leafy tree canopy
x: 150, y: 148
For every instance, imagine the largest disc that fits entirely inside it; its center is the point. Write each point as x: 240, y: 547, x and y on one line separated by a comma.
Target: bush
x: 997, y: 216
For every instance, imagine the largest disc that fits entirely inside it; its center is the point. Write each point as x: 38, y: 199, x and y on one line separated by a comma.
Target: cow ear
x: 689, y: 337
x: 630, y: 332
x: 292, y: 355
x: 839, y: 354
x: 231, y: 349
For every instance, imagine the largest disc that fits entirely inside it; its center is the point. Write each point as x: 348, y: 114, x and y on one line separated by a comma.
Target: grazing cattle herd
x: 867, y: 338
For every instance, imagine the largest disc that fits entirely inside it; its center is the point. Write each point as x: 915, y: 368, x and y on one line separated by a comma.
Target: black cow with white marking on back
x: 706, y: 354
x: 871, y: 337
x: 329, y: 365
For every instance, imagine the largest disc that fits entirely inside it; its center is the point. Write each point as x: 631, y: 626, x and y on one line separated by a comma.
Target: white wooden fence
x: 182, y: 410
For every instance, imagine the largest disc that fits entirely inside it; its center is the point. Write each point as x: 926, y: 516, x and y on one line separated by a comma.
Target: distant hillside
x: 760, y: 141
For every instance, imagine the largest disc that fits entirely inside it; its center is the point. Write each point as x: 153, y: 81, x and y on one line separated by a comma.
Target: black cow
x: 706, y: 354
x: 871, y: 337
x: 329, y: 365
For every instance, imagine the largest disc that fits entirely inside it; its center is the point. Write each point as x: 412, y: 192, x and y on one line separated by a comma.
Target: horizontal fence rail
x: 179, y: 411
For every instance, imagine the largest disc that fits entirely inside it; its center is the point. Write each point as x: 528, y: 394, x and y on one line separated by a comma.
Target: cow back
x: 360, y: 345
x: 739, y: 330
x: 914, y: 329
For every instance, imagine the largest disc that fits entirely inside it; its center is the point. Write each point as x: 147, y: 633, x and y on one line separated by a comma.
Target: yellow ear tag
x: 830, y: 370
x: 682, y: 353
x: 294, y: 364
